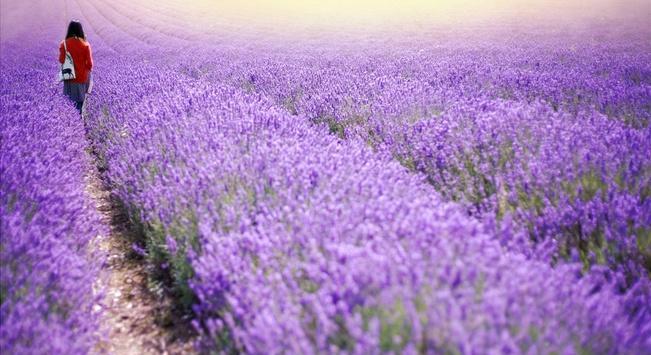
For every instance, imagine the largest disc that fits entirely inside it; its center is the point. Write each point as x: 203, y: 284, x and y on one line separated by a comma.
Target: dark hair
x: 75, y: 30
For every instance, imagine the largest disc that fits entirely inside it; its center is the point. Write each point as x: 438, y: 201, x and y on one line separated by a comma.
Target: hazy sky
x: 322, y: 17
x: 430, y: 12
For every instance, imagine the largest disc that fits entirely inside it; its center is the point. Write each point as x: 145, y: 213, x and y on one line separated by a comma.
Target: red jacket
x: 81, y: 56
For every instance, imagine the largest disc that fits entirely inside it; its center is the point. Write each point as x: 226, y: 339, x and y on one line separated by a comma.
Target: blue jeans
x: 78, y: 105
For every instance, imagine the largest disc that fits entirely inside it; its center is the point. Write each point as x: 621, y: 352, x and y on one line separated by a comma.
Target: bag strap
x: 65, y: 46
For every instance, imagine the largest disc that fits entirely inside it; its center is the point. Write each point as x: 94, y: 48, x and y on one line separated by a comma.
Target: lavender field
x: 470, y: 189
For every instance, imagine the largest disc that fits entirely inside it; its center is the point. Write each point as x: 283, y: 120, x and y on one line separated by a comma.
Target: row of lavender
x: 47, y: 269
x: 554, y: 133
x: 284, y: 238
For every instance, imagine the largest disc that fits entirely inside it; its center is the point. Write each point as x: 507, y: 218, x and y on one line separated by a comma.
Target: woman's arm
x: 89, y: 60
x: 62, y: 53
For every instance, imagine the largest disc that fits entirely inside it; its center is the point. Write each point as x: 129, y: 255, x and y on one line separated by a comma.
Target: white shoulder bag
x: 68, y: 67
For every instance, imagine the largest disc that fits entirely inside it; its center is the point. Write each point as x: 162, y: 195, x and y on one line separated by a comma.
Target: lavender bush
x: 285, y: 238
x: 581, y: 181
x: 47, y: 270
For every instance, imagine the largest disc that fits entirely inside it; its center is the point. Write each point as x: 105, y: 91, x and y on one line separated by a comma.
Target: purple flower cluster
x: 47, y: 270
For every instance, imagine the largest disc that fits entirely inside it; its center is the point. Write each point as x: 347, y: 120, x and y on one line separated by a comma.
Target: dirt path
x: 136, y: 320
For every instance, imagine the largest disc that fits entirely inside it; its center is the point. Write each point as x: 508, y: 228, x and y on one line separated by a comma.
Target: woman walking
x: 82, y: 57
